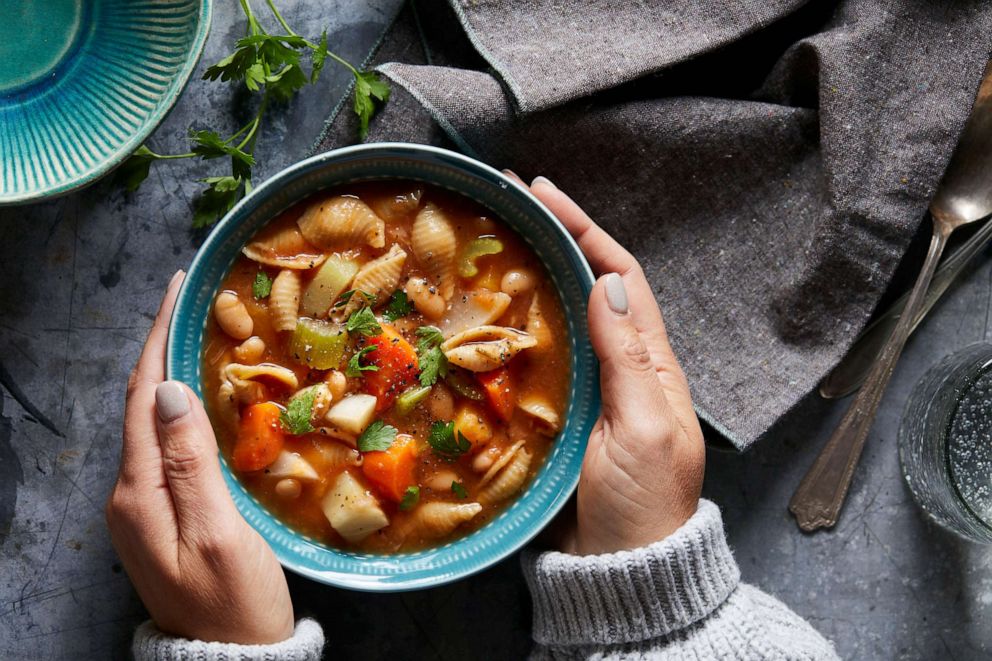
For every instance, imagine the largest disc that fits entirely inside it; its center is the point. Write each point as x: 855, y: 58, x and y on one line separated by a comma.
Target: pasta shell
x: 285, y: 249
x: 284, y: 300
x: 398, y: 206
x: 476, y: 308
x: 342, y: 221
x: 335, y: 455
x: 245, y: 384
x: 434, y: 244
x: 438, y: 518
x: 379, y: 278
x: 510, y: 479
x: 485, y: 348
x: 537, y: 325
x: 503, y: 460
x: 543, y: 414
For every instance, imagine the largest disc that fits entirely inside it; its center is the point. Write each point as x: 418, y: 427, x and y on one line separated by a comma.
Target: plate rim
x: 123, y: 151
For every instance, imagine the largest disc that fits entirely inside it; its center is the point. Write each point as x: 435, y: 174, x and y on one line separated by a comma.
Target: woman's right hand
x: 202, y: 572
x: 643, y: 469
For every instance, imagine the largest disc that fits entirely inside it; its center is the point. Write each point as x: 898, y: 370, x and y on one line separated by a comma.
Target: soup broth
x: 387, y: 366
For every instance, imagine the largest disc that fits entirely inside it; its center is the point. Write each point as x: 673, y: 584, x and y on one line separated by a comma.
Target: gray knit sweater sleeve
x: 150, y: 644
x: 680, y: 598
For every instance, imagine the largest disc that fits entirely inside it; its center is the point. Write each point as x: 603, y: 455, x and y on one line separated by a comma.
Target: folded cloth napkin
x: 768, y: 161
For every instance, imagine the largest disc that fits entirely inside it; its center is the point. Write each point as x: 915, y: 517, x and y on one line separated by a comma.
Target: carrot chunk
x: 391, y: 471
x: 499, y: 390
x: 260, y: 438
x: 398, y: 367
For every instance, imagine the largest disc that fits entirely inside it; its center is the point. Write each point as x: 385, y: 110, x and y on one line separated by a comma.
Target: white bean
x: 440, y: 403
x: 251, y: 351
x: 289, y: 488
x: 338, y: 384
x: 232, y: 316
x: 441, y: 481
x: 517, y: 281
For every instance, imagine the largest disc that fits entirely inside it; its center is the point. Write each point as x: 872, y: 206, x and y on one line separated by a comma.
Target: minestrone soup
x: 386, y: 366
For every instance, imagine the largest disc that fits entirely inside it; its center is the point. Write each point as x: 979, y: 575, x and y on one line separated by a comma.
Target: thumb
x: 632, y: 393
x: 189, y: 458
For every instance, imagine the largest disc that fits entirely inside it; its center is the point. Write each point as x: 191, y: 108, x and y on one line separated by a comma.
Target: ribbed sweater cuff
x: 150, y: 644
x: 631, y: 596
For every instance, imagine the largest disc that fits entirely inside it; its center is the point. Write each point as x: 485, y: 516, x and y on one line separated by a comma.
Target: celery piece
x: 459, y: 381
x: 408, y: 400
x: 334, y: 275
x: 318, y: 344
x: 475, y: 249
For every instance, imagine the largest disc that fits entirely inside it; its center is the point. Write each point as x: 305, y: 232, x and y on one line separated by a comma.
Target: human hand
x: 202, y: 572
x: 643, y: 468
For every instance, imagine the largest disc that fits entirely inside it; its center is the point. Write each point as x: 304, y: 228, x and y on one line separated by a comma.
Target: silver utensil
x: 851, y: 371
x: 964, y: 196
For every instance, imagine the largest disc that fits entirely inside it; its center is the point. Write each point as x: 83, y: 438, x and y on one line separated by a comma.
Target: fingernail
x: 542, y: 180
x: 510, y: 173
x: 616, y: 293
x: 178, y: 275
x: 171, y: 401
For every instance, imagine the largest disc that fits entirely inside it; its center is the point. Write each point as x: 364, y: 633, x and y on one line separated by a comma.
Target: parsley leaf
x: 135, y: 169
x: 430, y: 337
x: 433, y: 366
x: 433, y: 362
x: 296, y: 418
x: 318, y: 57
x: 377, y: 437
x: 208, y: 144
x: 410, y: 498
x: 398, y: 306
x: 232, y: 67
x: 355, y: 368
x: 368, y: 90
x: 446, y: 442
x: 363, y: 322
x: 262, y: 286
x: 221, y: 195
x: 459, y: 490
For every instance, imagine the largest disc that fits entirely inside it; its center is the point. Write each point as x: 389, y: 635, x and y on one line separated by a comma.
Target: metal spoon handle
x: 850, y: 373
x: 820, y: 495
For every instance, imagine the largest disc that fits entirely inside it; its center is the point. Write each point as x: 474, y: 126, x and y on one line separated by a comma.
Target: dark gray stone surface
x: 81, y: 277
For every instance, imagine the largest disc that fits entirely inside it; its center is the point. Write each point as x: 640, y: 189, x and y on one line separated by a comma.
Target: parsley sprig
x: 410, y: 498
x: 432, y: 361
x: 377, y: 437
x: 262, y: 286
x: 363, y: 322
x: 296, y: 418
x: 355, y: 367
x: 446, y: 441
x: 271, y: 65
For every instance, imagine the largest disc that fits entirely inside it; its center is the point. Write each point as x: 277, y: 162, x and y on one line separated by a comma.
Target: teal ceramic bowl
x: 555, y: 481
x: 84, y: 82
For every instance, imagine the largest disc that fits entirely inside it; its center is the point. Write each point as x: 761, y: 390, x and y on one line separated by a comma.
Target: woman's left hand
x: 202, y: 572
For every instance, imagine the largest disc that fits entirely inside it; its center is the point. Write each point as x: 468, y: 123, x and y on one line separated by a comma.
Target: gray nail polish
x: 542, y: 180
x: 616, y: 293
x: 171, y: 401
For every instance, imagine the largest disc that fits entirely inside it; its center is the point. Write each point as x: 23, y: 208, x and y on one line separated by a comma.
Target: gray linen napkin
x: 768, y: 162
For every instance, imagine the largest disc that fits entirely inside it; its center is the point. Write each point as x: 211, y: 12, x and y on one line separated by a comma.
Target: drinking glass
x: 945, y: 443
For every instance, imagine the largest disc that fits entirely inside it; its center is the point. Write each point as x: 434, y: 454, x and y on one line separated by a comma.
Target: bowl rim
x: 154, y: 120
x: 585, y: 277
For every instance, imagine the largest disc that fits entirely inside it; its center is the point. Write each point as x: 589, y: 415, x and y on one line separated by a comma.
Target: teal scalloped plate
x: 84, y: 82
x: 555, y: 480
